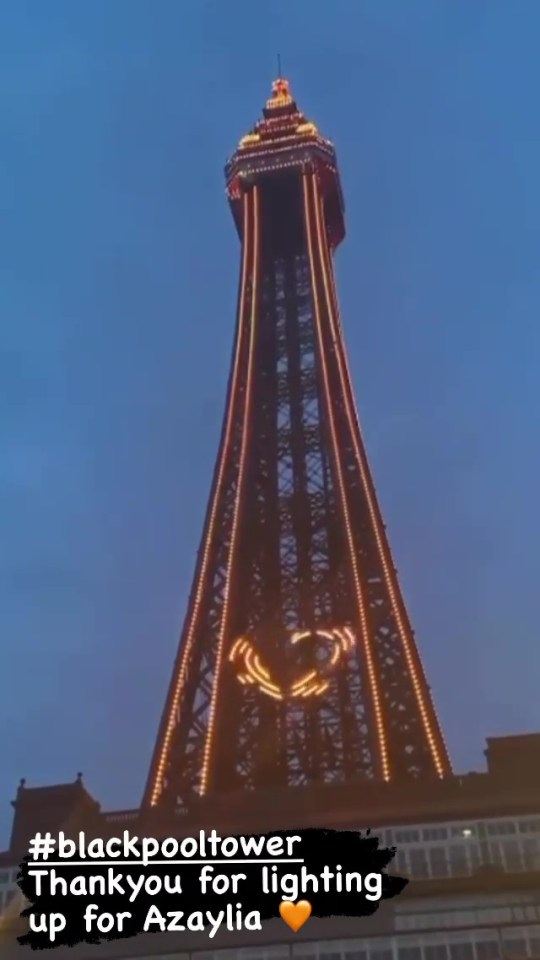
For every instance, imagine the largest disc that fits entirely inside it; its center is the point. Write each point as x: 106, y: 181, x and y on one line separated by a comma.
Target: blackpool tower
x: 297, y: 665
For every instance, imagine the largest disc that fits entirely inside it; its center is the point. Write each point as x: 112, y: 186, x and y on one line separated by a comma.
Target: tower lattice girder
x: 297, y: 663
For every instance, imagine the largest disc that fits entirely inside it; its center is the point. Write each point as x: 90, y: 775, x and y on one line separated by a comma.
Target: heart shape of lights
x: 251, y: 670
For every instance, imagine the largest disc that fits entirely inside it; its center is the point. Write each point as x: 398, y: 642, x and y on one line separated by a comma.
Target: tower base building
x: 470, y: 846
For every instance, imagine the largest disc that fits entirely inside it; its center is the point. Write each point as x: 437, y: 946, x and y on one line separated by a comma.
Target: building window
x: 529, y: 826
x: 515, y: 943
x: 407, y: 836
x: 459, y: 861
x: 496, y: 915
x: 531, y: 852
x: 461, y: 951
x: 462, y: 830
x: 525, y: 914
x: 501, y: 828
x: 410, y: 953
x: 435, y: 833
x: 419, y: 863
x: 512, y: 855
x: 408, y: 921
x: 487, y: 950
x: 474, y: 856
x: 381, y: 953
x: 515, y: 949
x: 436, y: 951
x: 434, y: 920
x: 438, y: 862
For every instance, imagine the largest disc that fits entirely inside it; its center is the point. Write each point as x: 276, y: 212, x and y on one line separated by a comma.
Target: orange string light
x: 432, y: 730
x: 366, y: 638
x: 161, y: 765
x: 239, y: 488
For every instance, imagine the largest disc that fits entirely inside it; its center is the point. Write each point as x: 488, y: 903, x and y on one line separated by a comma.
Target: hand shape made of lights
x: 313, y: 683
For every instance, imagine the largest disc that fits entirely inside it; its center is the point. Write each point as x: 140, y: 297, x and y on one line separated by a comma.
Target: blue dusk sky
x: 118, y: 279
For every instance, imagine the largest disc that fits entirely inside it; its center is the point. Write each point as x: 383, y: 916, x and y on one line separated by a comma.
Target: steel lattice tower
x: 297, y: 663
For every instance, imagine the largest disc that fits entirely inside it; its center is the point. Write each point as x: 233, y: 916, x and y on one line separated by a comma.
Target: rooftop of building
x: 510, y: 786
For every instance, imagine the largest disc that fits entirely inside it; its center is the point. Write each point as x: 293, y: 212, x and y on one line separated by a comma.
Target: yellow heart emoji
x: 295, y: 914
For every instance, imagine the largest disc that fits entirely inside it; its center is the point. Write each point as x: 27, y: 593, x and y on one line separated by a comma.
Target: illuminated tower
x: 297, y: 664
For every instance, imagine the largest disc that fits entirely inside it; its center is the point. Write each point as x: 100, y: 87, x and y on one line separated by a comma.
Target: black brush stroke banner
x: 354, y: 852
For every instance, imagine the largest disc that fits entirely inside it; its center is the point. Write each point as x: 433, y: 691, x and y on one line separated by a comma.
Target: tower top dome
x: 281, y: 94
x: 284, y: 142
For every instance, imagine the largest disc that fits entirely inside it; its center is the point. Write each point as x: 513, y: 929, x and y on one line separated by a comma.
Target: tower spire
x: 297, y: 664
